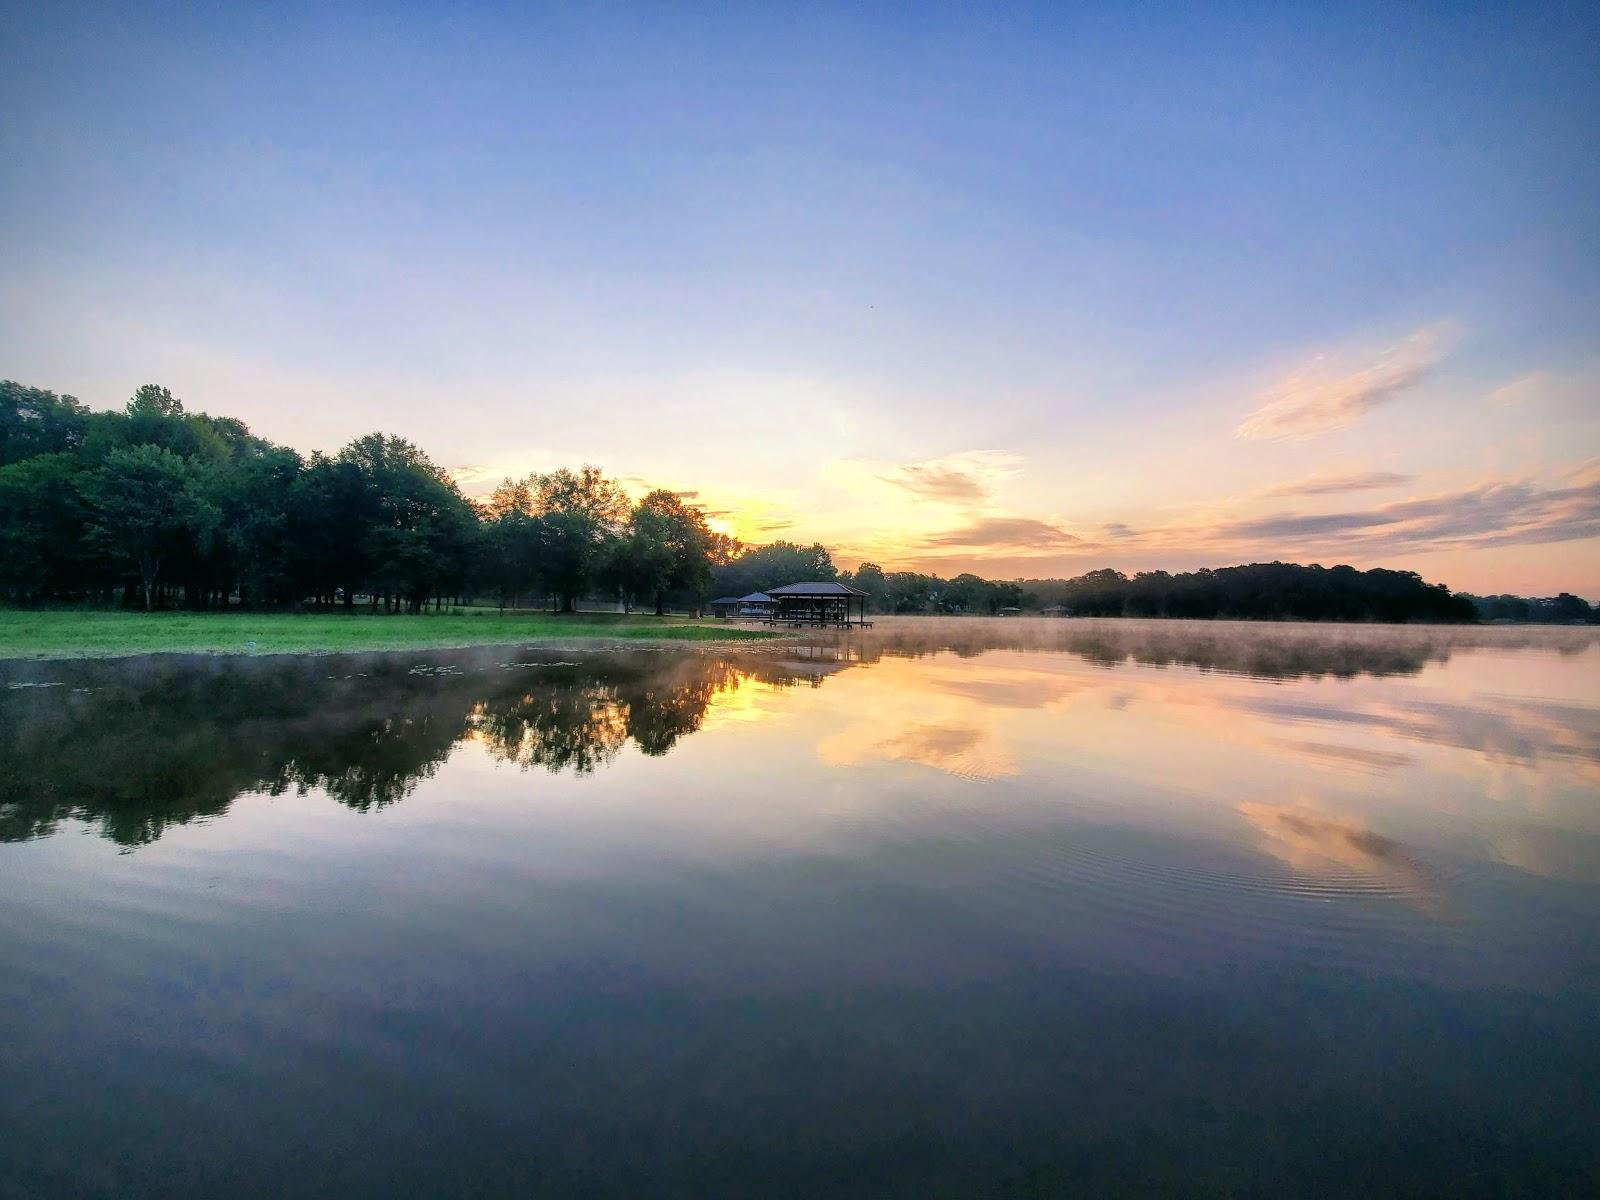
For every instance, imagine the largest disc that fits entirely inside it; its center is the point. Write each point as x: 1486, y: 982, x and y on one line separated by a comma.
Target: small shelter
x: 757, y: 604
x: 819, y: 604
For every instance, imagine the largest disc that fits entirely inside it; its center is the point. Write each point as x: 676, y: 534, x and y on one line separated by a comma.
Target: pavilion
x: 757, y: 605
x: 818, y: 604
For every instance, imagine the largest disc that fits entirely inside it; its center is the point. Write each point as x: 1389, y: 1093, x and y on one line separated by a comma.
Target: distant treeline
x: 1262, y: 591
x: 1565, y: 609
x: 1256, y: 592
x: 154, y: 506
x: 1288, y: 591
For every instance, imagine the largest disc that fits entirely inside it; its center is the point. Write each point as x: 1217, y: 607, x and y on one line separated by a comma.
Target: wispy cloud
x: 1328, y: 485
x: 969, y: 479
x: 1523, y: 388
x: 476, y: 479
x: 1322, y: 397
x: 1004, y: 533
x: 1495, y: 513
x: 479, y: 479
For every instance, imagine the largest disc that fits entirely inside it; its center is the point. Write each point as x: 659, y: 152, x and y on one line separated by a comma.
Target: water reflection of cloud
x: 1346, y: 857
x: 1356, y: 757
x: 1552, y: 853
x: 969, y: 751
x: 1112, y: 715
x: 1365, y: 727
x: 943, y: 714
x: 999, y: 686
x: 1499, y: 729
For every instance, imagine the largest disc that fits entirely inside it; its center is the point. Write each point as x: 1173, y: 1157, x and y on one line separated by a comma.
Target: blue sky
x: 1006, y: 289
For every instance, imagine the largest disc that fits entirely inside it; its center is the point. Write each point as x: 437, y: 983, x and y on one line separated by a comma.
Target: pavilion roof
x: 815, y: 589
x: 755, y: 598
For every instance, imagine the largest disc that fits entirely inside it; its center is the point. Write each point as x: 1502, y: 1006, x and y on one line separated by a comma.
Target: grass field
x: 81, y: 634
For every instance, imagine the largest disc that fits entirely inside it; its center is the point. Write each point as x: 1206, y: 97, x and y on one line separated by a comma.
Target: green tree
x: 513, y: 555
x: 762, y: 567
x: 965, y: 593
x: 669, y: 545
x: 151, y: 401
x: 148, y: 507
x: 41, y: 526
x: 417, y: 531
x: 255, y: 495
x: 1567, y: 607
x: 869, y: 577
x: 34, y: 421
x: 155, y: 417
x: 581, y: 512
x: 328, y: 514
x: 511, y: 496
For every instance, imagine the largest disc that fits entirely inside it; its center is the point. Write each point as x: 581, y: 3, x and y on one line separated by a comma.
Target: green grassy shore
x: 90, y: 634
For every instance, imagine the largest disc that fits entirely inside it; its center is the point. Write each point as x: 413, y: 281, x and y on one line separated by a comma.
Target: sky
x: 1020, y: 290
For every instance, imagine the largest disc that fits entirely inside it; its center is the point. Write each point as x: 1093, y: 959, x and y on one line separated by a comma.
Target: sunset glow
x: 943, y: 300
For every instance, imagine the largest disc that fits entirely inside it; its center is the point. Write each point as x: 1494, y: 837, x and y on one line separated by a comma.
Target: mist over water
x: 947, y: 906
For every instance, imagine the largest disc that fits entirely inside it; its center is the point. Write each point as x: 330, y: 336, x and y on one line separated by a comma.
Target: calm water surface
x: 949, y: 908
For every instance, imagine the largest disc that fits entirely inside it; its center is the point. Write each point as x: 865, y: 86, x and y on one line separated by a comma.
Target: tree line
x: 154, y: 506
x: 1279, y: 591
x: 1258, y: 591
x: 1264, y: 591
x: 761, y: 567
x: 1562, y: 609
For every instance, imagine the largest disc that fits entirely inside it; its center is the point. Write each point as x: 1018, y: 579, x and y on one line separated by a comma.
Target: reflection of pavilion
x: 819, y: 604
x: 826, y: 652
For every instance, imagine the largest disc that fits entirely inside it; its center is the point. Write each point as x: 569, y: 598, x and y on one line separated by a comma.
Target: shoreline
x: 44, y: 635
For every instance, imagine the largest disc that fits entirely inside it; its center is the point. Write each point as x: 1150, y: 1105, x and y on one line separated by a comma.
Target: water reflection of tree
x: 1263, y: 650
x: 560, y: 726
x: 138, y: 747
x: 578, y: 723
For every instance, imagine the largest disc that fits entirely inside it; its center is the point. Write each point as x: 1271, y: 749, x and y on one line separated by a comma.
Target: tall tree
x: 151, y: 400
x: 671, y: 542
x: 147, y: 508
x: 328, y: 516
x: 513, y: 555
x: 34, y: 421
x: 869, y: 577
x: 418, y: 529
x: 41, y: 526
x: 582, y: 510
x: 511, y: 496
x: 255, y: 496
x: 762, y: 567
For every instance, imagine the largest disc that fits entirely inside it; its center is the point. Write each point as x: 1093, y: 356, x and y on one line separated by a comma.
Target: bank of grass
x: 91, y: 634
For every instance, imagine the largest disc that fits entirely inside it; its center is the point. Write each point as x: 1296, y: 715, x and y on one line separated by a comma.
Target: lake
x: 944, y: 908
